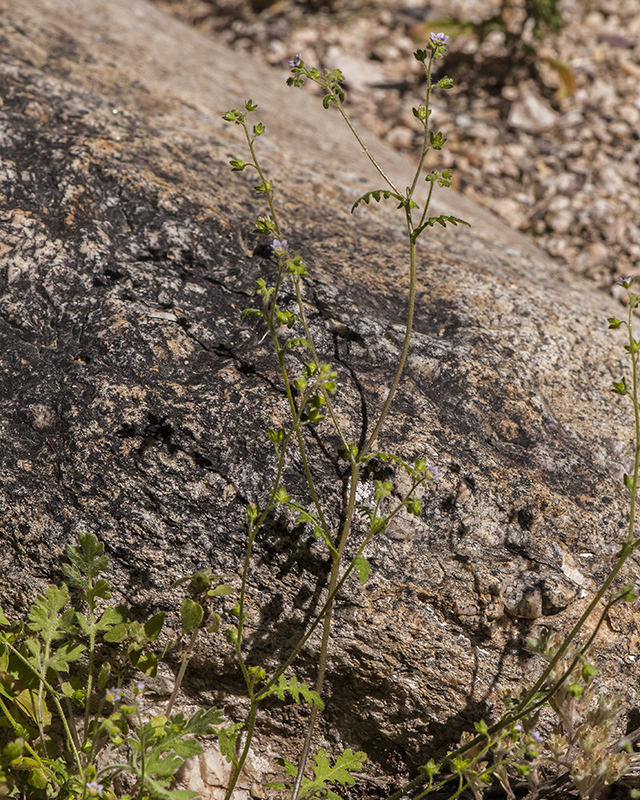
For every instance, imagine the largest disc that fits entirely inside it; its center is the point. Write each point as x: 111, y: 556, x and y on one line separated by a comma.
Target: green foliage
x: 363, y: 569
x: 325, y: 774
x: 38, y: 704
x: 296, y: 690
x: 379, y: 194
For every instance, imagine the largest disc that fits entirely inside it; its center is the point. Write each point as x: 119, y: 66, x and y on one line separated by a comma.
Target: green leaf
x: 413, y: 507
x: 296, y: 690
x: 45, y: 618
x: 153, y: 626
x: 220, y: 591
x: 169, y: 742
x: 227, y: 741
x: 117, y: 634
x: 147, y: 663
x: 324, y: 773
x: 111, y: 616
x: 378, y: 525
x: 38, y: 779
x: 265, y: 225
x: 103, y: 675
x: 191, y: 614
x: 378, y: 194
x: 620, y: 387
x: 3, y: 619
x: 441, y: 220
x: 339, y: 772
x: 88, y: 559
x: 363, y: 569
x: 60, y: 659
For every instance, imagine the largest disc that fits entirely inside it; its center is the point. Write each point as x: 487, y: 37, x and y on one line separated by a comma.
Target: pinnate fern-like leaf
x: 379, y: 194
x: 325, y: 773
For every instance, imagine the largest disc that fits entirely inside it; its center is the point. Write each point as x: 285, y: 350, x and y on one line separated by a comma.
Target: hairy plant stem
x: 183, y: 667
x: 357, y: 462
x: 425, y: 141
x: 356, y: 459
x: 143, y: 745
x: 326, y: 631
x: 92, y: 646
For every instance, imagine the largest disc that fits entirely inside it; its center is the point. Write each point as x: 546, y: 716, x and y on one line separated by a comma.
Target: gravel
x: 543, y: 131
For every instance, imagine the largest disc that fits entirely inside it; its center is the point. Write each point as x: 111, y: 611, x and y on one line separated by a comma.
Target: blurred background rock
x: 543, y: 123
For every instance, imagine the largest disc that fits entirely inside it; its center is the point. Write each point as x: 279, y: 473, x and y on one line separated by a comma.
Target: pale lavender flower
x: 295, y: 61
x: 439, y: 38
x: 537, y: 736
x: 114, y: 694
x: 280, y: 247
x: 139, y: 686
x: 94, y: 787
x: 433, y: 473
x: 518, y: 726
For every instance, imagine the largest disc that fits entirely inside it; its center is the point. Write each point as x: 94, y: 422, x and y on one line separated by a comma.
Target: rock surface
x: 135, y: 402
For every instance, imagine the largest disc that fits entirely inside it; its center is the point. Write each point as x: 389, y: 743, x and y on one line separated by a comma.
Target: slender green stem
x: 403, y: 356
x: 18, y: 730
x: 46, y: 685
x: 72, y: 727
x: 143, y: 748
x: 427, y: 204
x: 266, y: 689
x: 251, y: 724
x: 364, y: 147
x: 425, y: 141
x: 265, y: 182
x: 326, y: 630
x: 92, y: 646
x: 316, y: 361
x: 183, y: 667
x: 636, y: 413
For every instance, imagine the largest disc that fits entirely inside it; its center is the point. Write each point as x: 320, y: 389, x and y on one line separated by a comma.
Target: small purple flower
x: 138, y: 686
x: 94, y: 787
x: 518, y: 726
x: 537, y: 736
x: 625, y: 281
x: 295, y: 61
x: 439, y: 38
x: 114, y: 694
x: 280, y: 247
x: 433, y: 473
